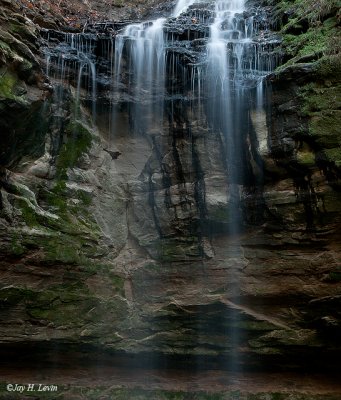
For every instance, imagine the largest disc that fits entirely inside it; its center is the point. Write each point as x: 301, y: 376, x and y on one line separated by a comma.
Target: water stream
x: 203, y: 66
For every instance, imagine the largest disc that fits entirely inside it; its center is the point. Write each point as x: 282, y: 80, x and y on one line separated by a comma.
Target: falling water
x: 227, y: 73
x: 208, y: 57
x: 83, y: 49
x: 182, y: 6
x: 144, y: 45
x: 75, y: 53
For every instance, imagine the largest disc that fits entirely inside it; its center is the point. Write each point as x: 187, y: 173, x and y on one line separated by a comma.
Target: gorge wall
x: 115, y: 233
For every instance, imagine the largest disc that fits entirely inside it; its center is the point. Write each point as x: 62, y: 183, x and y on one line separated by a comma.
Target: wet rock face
x: 22, y: 88
x: 121, y: 237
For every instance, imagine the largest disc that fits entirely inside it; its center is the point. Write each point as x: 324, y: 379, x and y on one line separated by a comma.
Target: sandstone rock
x: 139, y: 252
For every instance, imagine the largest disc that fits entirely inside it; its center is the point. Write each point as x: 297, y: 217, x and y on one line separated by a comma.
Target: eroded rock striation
x: 119, y: 236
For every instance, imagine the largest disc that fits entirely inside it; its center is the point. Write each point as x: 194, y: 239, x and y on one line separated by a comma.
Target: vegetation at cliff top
x: 312, y: 28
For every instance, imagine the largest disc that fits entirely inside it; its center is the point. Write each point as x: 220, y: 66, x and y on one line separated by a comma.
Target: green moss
x: 79, y: 309
x: 65, y: 250
x: 16, y: 246
x: 78, y: 142
x: 20, y: 29
x: 118, y: 283
x: 27, y: 211
x: 329, y: 67
x: 319, y: 97
x: 321, y: 102
x: 118, y: 3
x: 74, y: 216
x: 306, y: 158
x: 56, y: 197
x: 170, y: 250
x: 325, y: 128
x: 322, y: 36
x: 9, y: 87
x: 311, y: 42
x: 314, y: 11
x: 84, y: 197
x: 62, y: 304
x: 63, y: 311
x: 14, y: 295
x: 334, y: 155
x: 7, y: 83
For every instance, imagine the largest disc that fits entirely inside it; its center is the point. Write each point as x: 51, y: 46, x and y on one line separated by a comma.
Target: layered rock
x: 123, y: 241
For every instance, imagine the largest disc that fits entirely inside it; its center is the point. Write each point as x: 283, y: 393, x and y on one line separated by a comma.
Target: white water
x: 145, y: 43
x: 83, y: 48
x: 219, y: 87
x: 182, y: 6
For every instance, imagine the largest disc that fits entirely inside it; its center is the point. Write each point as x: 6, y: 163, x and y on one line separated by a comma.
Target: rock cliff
x: 119, y: 241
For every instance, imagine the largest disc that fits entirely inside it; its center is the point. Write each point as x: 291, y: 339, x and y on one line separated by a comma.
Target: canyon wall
x: 121, y: 241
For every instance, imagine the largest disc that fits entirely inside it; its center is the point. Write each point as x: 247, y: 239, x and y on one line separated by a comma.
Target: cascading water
x: 198, y: 72
x: 228, y: 70
x: 227, y: 73
x: 76, y: 53
x: 182, y: 6
x: 144, y: 45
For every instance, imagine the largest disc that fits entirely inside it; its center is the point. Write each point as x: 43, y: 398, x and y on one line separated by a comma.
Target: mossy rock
x: 77, y: 141
x: 334, y: 155
x: 10, y: 87
x: 306, y: 158
x: 329, y: 67
x: 320, y: 97
x: 11, y: 296
x: 169, y: 250
x: 325, y: 129
x: 27, y: 211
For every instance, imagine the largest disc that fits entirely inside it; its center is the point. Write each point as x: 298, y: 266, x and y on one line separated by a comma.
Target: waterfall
x: 145, y: 52
x: 182, y: 6
x: 170, y: 83
x: 73, y: 61
x: 228, y: 71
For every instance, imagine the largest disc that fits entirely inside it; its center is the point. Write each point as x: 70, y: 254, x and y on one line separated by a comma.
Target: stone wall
x: 124, y: 245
